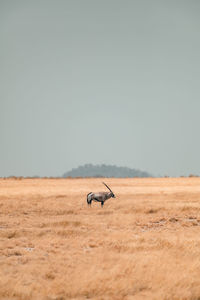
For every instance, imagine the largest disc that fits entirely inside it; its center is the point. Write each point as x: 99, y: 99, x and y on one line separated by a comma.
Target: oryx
x: 100, y: 197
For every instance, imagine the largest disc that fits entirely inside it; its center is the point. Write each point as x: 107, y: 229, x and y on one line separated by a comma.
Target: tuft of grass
x: 10, y: 234
x: 152, y: 211
x: 50, y: 276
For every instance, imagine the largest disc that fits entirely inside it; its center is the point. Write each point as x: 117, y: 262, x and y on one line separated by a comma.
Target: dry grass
x: 145, y: 244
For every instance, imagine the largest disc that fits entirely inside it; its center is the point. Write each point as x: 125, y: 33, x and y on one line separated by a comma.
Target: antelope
x: 100, y: 197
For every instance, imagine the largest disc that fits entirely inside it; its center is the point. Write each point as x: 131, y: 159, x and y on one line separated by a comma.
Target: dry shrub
x: 10, y: 234
x: 50, y: 275
x: 151, y: 211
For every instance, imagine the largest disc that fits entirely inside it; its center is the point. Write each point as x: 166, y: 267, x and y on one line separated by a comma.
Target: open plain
x: 145, y: 244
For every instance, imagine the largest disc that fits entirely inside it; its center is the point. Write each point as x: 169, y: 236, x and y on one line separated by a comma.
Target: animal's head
x: 112, y: 194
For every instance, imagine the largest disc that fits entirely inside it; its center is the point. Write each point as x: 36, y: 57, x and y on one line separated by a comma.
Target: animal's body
x: 100, y: 197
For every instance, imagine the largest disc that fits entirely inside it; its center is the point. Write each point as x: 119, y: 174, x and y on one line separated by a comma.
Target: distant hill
x: 90, y: 170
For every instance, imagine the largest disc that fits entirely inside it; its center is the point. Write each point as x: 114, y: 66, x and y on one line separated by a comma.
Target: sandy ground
x: 145, y: 244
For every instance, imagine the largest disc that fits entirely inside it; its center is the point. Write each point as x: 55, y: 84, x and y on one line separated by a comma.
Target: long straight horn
x: 107, y: 187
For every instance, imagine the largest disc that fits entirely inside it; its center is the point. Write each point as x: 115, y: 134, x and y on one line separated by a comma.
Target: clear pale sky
x: 99, y: 81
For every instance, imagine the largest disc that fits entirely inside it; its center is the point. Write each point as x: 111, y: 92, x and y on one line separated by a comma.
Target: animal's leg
x: 89, y: 203
x: 102, y: 203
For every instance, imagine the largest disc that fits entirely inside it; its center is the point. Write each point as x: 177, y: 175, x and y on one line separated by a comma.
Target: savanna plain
x: 144, y: 244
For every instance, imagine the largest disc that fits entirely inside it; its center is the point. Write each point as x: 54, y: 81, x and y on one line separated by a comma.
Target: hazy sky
x: 99, y: 81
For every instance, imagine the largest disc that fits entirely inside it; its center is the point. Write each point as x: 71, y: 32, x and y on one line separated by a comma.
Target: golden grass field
x: 145, y: 244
